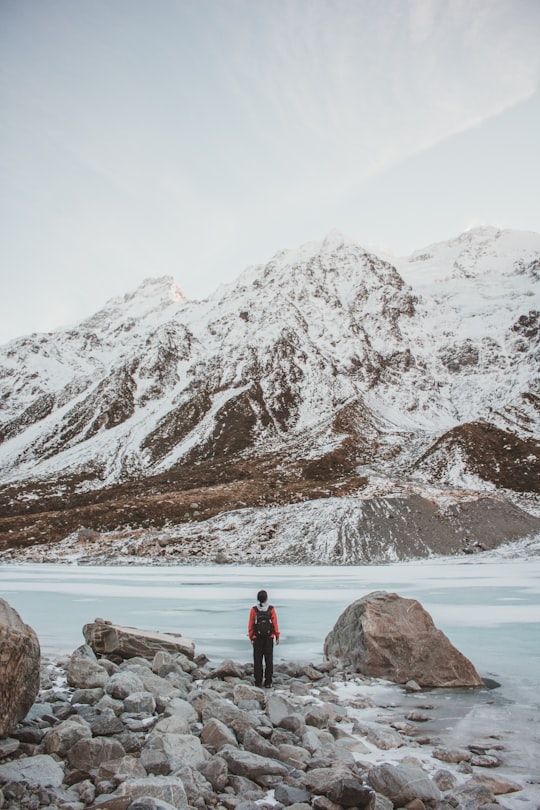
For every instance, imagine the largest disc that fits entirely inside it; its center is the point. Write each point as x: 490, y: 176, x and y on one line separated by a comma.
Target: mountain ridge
x: 325, y: 361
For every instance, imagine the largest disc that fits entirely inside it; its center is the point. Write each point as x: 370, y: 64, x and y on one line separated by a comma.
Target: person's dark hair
x: 262, y: 596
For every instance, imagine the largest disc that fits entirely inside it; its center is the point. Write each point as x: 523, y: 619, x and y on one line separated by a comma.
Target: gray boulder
x: 83, y: 670
x: 289, y: 794
x: 165, y: 788
x: 387, y: 636
x: 216, y: 734
x: 251, y: 766
x: 87, y: 755
x: 19, y: 668
x: 124, y: 683
x: 39, y: 771
x: 404, y: 783
x: 60, y: 739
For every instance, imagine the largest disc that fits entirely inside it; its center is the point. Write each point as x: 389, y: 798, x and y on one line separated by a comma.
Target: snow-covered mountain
x: 329, y: 371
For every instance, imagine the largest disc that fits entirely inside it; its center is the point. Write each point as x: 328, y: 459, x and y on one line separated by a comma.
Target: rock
x: 243, y: 691
x: 107, y: 639
x: 183, y: 709
x: 83, y: 670
x: 229, y: 714
x: 140, y: 703
x: 19, y: 668
x: 253, y: 766
x: 87, y: 696
x: 60, y: 739
x: 278, y: 707
x: 384, y: 635
x: 216, y: 734
x: 381, y: 736
x: 9, y: 746
x: 498, y: 785
x: 294, y: 755
x: 178, y: 749
x: 229, y: 669
x: 254, y: 742
x: 118, y: 770
x: 445, y: 780
x: 166, y: 788
x: 323, y: 780
x: 150, y: 803
x: 453, y: 755
x: 351, y: 792
x: 403, y: 783
x: 39, y: 771
x: 86, y: 755
x: 215, y: 770
x: 288, y: 794
x: 124, y: 683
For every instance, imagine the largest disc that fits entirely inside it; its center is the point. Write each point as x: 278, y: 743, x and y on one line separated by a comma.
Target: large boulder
x: 384, y: 635
x: 107, y: 639
x: 19, y: 668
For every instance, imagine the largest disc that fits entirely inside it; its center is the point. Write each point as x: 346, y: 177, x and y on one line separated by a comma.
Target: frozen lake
x: 490, y: 610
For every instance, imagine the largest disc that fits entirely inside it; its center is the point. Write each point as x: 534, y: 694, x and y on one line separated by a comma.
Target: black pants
x: 263, y: 648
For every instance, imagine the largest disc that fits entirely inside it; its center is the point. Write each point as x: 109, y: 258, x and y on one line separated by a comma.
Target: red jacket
x: 251, y: 624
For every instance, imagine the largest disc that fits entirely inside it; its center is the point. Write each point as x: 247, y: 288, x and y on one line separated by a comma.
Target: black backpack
x: 263, y: 623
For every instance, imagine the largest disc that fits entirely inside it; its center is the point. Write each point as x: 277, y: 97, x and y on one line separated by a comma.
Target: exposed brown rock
x: 387, y: 636
x: 108, y: 639
x: 19, y: 668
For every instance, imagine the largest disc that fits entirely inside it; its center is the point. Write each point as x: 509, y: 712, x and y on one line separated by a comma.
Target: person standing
x: 263, y: 628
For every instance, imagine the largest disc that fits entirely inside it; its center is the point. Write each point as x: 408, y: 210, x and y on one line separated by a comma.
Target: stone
x: 166, y: 788
x: 278, y: 707
x: 182, y: 708
x: 19, y: 668
x: 254, y: 742
x: 60, y: 739
x: 288, y: 794
x: 39, y: 771
x: 243, y: 691
x: 351, y: 792
x: 384, y: 635
x: 150, y: 803
x: 497, y: 784
x: 107, y: 639
x: 294, y: 755
x: 381, y: 736
x: 124, y: 683
x: 229, y: 669
x: 83, y: 670
x: 118, y: 770
x: 215, y: 734
x: 252, y: 766
x: 87, y: 755
x: 215, y: 770
x: 452, y: 755
x: 172, y: 725
x: 179, y: 749
x: 230, y: 715
x: 403, y: 783
x: 88, y: 696
x: 445, y: 780
x: 323, y: 780
x: 140, y: 703
x: 317, y: 716
x: 9, y: 746
x: 198, y: 789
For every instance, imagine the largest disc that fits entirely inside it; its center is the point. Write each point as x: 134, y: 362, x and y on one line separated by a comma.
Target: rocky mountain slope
x: 327, y: 383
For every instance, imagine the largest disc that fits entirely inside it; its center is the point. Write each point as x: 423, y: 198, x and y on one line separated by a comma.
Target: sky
x: 193, y: 138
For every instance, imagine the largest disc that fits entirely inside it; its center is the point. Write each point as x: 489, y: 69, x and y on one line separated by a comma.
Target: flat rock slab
x: 39, y: 771
x: 106, y: 639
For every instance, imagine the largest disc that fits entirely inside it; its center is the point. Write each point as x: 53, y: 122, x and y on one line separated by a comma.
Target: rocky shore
x: 176, y: 731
